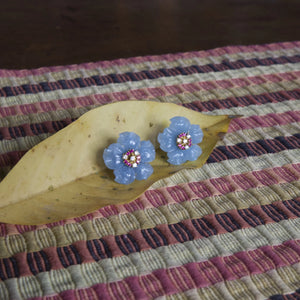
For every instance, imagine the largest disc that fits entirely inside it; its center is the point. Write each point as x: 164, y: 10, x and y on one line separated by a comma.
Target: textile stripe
x: 254, y: 287
x: 142, y: 75
x: 200, y: 274
x: 257, y: 148
x: 243, y: 101
x: 221, y: 186
x: 152, y: 238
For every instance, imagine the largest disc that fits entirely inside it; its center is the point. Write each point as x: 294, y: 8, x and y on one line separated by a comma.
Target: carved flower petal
x: 196, y: 134
x: 179, y: 124
x: 167, y: 140
x: 112, y: 155
x: 130, y: 140
x: 147, y: 151
x: 143, y: 171
x: 124, y: 174
x: 193, y: 153
x: 176, y: 157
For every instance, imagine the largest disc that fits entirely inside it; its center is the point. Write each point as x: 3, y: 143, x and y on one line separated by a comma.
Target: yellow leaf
x: 65, y: 175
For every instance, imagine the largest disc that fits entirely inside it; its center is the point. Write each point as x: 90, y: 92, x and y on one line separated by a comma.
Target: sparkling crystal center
x: 184, y: 141
x: 131, y: 158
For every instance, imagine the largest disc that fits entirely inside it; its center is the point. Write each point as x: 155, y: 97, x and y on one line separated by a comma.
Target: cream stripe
x: 259, y: 110
x: 148, y: 65
x: 161, y: 82
x: 22, y: 143
x: 150, y: 217
x: 223, y: 93
x: 145, y: 262
x: 231, y: 167
x: 259, y: 133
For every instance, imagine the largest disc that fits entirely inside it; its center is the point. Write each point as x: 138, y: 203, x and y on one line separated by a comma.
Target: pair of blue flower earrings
x: 130, y: 157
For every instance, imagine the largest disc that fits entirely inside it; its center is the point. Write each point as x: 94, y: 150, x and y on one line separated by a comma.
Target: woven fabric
x: 229, y: 230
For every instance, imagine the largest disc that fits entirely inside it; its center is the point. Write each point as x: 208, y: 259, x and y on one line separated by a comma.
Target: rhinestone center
x: 131, y: 158
x: 184, y: 141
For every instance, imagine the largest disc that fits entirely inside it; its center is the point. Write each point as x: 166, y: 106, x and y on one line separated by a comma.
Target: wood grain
x: 38, y: 33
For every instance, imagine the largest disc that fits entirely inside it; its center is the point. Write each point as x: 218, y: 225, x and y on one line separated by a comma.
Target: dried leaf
x: 65, y: 176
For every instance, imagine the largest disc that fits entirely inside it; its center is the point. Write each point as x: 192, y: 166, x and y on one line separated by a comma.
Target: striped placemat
x: 229, y: 230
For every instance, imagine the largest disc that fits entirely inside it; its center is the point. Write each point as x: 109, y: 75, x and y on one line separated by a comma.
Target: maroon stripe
x: 11, y: 158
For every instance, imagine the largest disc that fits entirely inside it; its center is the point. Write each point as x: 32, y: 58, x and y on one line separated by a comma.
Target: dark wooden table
x: 36, y: 33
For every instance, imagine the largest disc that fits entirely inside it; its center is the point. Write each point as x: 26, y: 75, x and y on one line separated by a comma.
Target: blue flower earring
x: 180, y: 141
x: 129, y: 158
